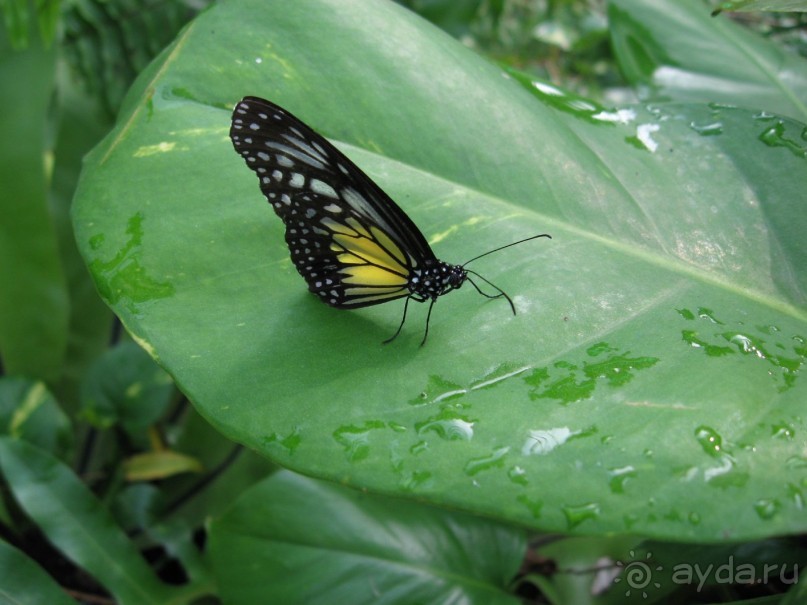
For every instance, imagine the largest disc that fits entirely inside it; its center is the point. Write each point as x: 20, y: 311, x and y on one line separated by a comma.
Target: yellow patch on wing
x: 383, y: 239
x: 338, y: 227
x: 358, y: 227
x: 372, y: 275
x: 368, y: 251
x: 373, y: 292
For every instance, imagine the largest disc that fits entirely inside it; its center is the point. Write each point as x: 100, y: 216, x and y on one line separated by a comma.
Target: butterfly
x: 351, y: 243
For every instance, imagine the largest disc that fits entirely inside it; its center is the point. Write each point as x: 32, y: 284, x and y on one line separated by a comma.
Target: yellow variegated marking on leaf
x: 147, y: 150
x: 34, y: 398
x: 370, y: 275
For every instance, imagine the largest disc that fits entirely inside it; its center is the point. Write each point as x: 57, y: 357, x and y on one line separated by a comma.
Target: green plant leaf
x: 763, y: 5
x: 149, y: 466
x: 34, y: 306
x: 107, y: 43
x: 652, y: 381
x: 77, y: 524
x: 683, y: 54
x: 23, y: 581
x: 29, y: 411
x: 124, y: 386
x: 81, y: 125
x: 294, y: 540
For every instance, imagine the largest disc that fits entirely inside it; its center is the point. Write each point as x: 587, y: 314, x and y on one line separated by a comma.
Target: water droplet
x: 288, y: 443
x: 533, y: 505
x: 494, y: 460
x: 712, y: 129
x: 764, y: 116
x: 501, y: 373
x: 767, y: 508
x: 96, y: 241
x: 619, y: 477
x: 796, y: 495
x: 419, y: 447
x: 575, y: 515
x: 694, y: 518
x: 705, y: 313
x: 599, y: 348
x: 415, y: 480
x: 355, y: 440
x: 630, y: 520
x: 437, y: 389
x: 718, y: 105
x: 617, y: 368
x: 691, y: 337
x: 774, y: 136
x: 569, y: 382
x: 746, y: 344
x: 543, y: 441
x: 710, y: 440
x: 782, y: 430
x: 448, y: 425
x: 644, y: 135
x: 518, y: 475
x: 687, y: 473
x: 686, y: 314
x: 796, y: 463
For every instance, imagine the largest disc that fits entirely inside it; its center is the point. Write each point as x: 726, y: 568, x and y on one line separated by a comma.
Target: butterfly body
x: 436, y: 279
x: 349, y: 240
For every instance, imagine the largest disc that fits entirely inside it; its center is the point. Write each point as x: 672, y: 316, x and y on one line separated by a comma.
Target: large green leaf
x: 33, y: 305
x: 763, y: 5
x: 125, y: 387
x: 23, y: 581
x: 29, y: 411
x: 652, y: 380
x: 679, y: 52
x: 77, y: 524
x: 294, y: 540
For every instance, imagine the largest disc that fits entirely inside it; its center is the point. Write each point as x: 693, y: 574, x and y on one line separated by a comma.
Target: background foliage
x: 103, y: 455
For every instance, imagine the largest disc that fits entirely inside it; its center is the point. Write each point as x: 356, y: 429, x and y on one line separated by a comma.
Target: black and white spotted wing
x: 353, y: 245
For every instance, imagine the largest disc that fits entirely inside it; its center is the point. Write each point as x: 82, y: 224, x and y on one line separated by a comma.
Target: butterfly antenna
x: 521, y: 241
x: 495, y: 287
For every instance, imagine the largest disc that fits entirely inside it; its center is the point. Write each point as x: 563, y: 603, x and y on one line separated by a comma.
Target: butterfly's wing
x: 353, y: 245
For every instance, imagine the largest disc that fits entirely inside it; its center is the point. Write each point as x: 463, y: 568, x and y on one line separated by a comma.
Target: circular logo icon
x: 637, y: 575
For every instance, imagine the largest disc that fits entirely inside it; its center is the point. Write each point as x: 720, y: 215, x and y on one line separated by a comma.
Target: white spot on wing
x: 323, y: 188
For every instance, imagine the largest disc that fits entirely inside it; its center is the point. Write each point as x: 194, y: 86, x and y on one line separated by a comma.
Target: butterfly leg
x: 403, y: 319
x: 428, y: 317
